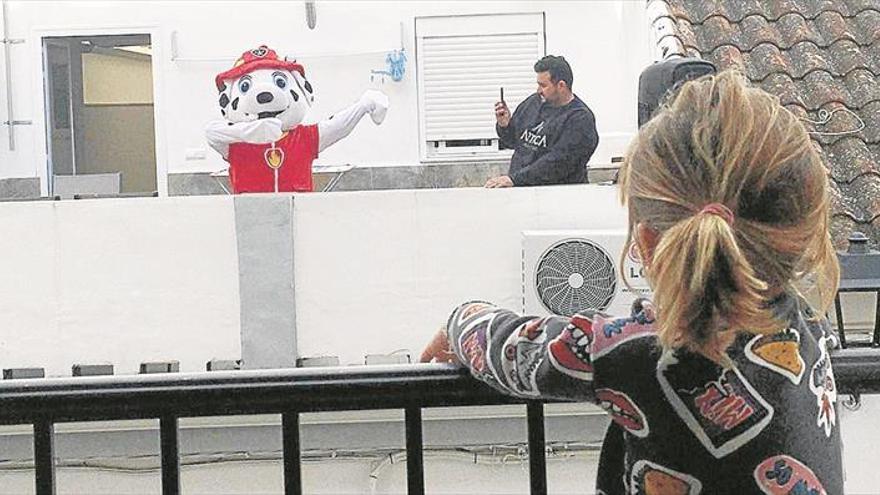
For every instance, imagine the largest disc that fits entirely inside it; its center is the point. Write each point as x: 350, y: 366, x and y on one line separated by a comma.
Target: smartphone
x: 502, y: 94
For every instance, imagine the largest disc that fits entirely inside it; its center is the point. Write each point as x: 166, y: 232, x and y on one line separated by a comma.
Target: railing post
x: 876, y: 340
x: 44, y: 456
x: 292, y: 454
x: 537, y: 455
x: 415, y: 471
x: 170, y: 457
x: 838, y: 310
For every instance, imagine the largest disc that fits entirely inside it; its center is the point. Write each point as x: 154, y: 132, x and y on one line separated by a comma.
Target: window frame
x: 468, y: 25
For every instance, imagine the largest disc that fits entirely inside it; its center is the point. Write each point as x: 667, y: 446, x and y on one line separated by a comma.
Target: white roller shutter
x: 462, y: 62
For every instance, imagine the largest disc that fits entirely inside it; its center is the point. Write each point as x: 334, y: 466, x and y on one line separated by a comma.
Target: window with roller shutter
x: 462, y: 63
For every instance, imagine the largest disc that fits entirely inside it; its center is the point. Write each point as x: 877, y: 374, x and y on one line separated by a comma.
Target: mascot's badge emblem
x: 274, y: 157
x: 259, y: 52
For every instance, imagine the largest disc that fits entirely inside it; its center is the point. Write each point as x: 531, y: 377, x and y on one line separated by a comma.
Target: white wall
x: 379, y: 271
x: 569, y: 476
x: 575, y: 475
x: 118, y: 281
x: 375, y: 271
x: 605, y: 41
x: 153, y: 278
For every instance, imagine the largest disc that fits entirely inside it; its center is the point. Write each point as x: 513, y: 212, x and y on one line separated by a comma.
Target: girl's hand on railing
x: 438, y: 350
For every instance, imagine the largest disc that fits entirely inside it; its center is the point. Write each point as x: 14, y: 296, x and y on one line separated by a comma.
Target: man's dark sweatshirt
x: 551, y: 144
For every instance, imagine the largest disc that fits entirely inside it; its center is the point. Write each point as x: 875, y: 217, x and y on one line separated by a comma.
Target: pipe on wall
x: 10, y: 121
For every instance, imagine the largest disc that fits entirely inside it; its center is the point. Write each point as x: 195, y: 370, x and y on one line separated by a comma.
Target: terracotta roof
x: 822, y: 58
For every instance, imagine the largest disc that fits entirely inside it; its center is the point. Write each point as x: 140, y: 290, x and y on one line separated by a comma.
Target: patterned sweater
x: 765, y: 422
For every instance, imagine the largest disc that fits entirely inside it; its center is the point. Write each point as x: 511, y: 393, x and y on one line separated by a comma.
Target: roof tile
x: 700, y: 10
x: 868, y: 22
x: 849, y: 159
x: 848, y: 55
x: 863, y: 86
x: 819, y: 88
x: 806, y: 57
x: 833, y: 26
x: 764, y: 60
x: 717, y: 31
x: 860, y: 199
x: 783, y: 86
x: 795, y: 29
x: 859, y: 5
x: 756, y: 29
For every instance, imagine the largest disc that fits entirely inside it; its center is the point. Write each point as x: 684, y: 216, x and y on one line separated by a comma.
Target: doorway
x: 99, y: 111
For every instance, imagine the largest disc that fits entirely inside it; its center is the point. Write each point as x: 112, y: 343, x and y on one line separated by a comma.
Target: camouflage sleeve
x: 525, y: 356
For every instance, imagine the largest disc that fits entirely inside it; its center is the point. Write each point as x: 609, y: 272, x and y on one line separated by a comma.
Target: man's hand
x: 502, y: 114
x: 438, y: 350
x: 500, y: 181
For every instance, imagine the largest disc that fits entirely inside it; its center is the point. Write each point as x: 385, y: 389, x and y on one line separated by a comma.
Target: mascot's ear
x: 304, y: 86
x: 224, y: 100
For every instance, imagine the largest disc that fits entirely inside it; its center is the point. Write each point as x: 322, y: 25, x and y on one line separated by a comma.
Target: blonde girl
x: 724, y: 383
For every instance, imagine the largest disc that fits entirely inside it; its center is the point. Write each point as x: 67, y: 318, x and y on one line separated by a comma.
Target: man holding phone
x: 552, y: 132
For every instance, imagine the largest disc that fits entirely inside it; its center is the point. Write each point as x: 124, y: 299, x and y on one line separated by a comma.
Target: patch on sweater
x: 522, y: 357
x: 783, y: 475
x: 474, y: 342
x: 648, y: 478
x: 825, y: 388
x: 467, y: 310
x: 569, y: 352
x: 717, y: 404
x: 623, y: 411
x: 612, y: 333
x: 779, y: 352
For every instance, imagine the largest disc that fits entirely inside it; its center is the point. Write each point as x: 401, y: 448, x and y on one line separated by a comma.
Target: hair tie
x: 720, y: 210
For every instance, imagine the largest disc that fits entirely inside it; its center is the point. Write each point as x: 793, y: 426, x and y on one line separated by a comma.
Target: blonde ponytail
x: 729, y: 181
x: 707, y: 288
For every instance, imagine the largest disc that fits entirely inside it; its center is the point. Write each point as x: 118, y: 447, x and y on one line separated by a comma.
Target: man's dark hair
x: 557, y: 67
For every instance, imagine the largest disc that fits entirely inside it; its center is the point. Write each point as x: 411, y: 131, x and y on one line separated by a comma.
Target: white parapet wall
x: 377, y: 272
x: 120, y: 281
x: 131, y: 280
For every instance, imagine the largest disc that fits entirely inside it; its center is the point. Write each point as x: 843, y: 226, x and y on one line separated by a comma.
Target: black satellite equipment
x: 661, y: 79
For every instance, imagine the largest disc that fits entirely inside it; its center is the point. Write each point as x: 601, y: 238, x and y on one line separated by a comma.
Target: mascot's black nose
x: 264, y: 97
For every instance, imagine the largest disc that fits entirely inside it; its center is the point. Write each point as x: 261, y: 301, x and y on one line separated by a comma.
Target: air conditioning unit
x: 568, y: 271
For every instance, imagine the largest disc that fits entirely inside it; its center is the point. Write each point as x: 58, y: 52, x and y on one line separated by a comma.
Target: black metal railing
x: 289, y: 392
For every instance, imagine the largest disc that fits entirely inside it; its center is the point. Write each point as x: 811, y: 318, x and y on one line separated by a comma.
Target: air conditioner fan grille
x: 574, y: 275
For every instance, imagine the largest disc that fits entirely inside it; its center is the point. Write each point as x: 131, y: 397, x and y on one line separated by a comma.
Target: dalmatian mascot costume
x: 264, y: 100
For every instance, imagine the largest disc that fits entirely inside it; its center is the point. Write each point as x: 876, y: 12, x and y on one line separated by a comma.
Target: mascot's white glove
x: 221, y: 133
x: 376, y: 103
